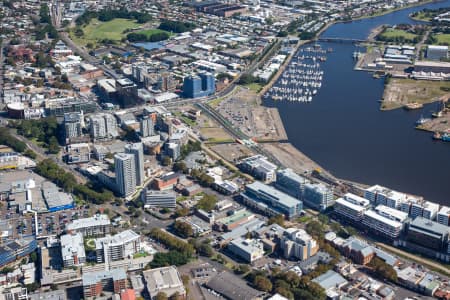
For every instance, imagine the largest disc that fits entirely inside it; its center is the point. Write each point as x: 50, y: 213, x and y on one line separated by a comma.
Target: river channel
x: 344, y: 131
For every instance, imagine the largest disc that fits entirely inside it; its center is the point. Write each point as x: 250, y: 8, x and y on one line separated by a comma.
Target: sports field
x: 97, y: 31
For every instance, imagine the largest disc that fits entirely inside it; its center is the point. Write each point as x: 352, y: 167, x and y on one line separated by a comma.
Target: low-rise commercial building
x: 162, y: 199
x: 247, y: 249
x: 10, y: 250
x: 165, y: 280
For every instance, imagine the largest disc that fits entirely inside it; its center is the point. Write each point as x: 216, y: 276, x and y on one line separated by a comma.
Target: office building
x: 317, y: 196
x: 98, y: 225
x: 428, y: 234
x: 137, y: 150
x: 247, y: 249
x: 127, y: 92
x: 95, y: 283
x: 435, y: 52
x: 385, y: 221
x: 103, y: 126
x: 259, y: 167
x: 165, y: 280
x: 443, y: 216
x: 78, y: 153
x: 159, y: 199
x: 120, y: 246
x: 351, y: 207
x: 296, y: 243
x: 271, y: 201
x: 146, y: 126
x: 199, y: 86
x: 290, y: 182
x: 379, y: 195
x: 125, y: 169
x: 73, y: 124
x: 72, y: 250
x: 12, y: 250
x: 59, y: 106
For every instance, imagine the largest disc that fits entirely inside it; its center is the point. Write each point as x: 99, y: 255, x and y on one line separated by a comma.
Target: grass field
x: 396, y: 33
x: 442, y: 39
x: 97, y: 30
x: 402, y: 91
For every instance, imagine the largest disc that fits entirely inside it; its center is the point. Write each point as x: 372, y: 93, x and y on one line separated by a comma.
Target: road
x: 41, y: 155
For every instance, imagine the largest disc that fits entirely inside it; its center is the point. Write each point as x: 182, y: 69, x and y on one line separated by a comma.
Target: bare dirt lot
x: 243, y: 110
x: 288, y: 155
x: 232, y: 152
x: 403, y: 91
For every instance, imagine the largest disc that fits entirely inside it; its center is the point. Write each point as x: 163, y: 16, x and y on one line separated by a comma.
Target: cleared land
x: 232, y: 152
x: 402, y: 91
x: 97, y: 31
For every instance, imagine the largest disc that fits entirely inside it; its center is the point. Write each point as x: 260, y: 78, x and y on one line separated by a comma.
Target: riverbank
x: 399, y: 92
x: 386, y: 12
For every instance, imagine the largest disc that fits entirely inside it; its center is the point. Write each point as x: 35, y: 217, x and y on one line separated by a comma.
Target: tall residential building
x: 317, y: 196
x: 290, y: 182
x: 296, y: 243
x: 147, y: 128
x: 137, y: 150
x: 72, y: 249
x: 199, y: 86
x: 95, y: 226
x: 120, y: 246
x: 103, y: 126
x: 73, y: 124
x: 125, y: 169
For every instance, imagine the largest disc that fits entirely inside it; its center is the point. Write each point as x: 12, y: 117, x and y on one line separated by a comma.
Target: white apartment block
x: 95, y: 226
x: 351, y: 207
x: 72, y: 250
x: 117, y: 247
x: 385, y: 220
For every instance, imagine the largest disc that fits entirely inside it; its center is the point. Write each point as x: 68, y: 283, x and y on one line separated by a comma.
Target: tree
x: 180, y: 166
x: 278, y: 219
x: 53, y: 145
x: 33, y: 257
x: 181, y: 212
x: 242, y: 269
x: 315, y: 229
x: 323, y: 219
x: 166, y: 160
x: 207, y: 203
x: 262, y: 283
x: 161, y: 296
x: 183, y: 229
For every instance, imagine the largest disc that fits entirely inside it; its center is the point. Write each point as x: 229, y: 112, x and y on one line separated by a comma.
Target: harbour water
x: 344, y: 131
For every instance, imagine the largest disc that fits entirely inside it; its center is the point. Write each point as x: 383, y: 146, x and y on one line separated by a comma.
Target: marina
x: 302, y: 78
x: 344, y: 130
